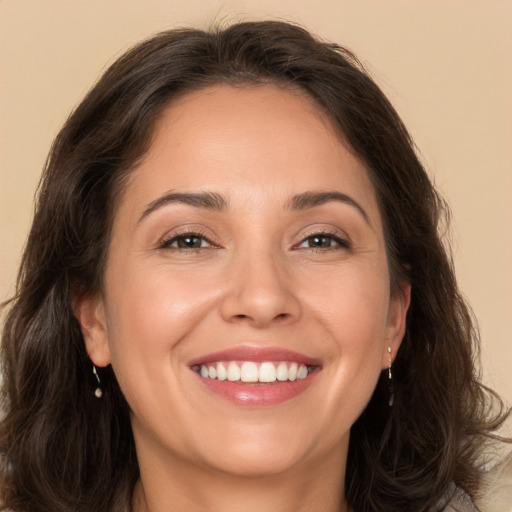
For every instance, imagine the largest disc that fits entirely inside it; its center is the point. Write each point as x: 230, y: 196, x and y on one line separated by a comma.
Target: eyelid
x: 166, y: 240
x: 340, y: 239
x: 325, y: 230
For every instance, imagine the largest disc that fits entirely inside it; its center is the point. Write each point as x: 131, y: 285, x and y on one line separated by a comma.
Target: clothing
x: 459, y: 501
x: 495, y: 493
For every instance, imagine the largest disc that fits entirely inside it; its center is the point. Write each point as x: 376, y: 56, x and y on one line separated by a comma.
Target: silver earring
x: 98, y: 393
x: 390, y: 382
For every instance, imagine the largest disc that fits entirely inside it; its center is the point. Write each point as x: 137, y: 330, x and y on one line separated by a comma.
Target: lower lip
x: 259, y: 395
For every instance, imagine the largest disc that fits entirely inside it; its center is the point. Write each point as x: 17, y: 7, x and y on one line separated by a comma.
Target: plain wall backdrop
x: 445, y: 65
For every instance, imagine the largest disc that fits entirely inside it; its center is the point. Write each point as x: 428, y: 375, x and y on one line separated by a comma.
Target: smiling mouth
x: 252, y: 376
x: 251, y: 372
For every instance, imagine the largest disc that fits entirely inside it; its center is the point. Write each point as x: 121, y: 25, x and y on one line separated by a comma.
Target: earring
x: 390, y: 382
x: 98, y: 393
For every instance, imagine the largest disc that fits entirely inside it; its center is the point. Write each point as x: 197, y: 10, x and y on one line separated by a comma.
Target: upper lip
x: 255, y: 354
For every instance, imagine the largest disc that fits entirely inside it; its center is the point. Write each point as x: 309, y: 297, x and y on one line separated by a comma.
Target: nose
x: 260, y: 293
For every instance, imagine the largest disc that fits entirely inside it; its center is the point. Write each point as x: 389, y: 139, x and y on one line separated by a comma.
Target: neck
x: 319, y: 484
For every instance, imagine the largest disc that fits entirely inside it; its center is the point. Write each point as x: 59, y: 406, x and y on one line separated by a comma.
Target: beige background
x: 446, y: 66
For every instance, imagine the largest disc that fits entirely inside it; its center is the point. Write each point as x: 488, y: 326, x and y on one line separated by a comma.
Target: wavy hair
x: 63, y: 450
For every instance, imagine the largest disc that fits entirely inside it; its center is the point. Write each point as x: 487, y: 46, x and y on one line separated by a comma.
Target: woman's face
x: 246, y: 307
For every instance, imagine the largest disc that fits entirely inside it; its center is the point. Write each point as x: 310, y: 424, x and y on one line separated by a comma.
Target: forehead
x: 229, y: 122
x: 247, y: 140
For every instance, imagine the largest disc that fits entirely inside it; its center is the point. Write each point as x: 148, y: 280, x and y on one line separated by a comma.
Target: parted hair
x: 62, y: 449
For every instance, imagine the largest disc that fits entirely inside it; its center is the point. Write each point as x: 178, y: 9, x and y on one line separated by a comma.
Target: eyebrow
x: 313, y: 199
x: 207, y: 200
x: 217, y: 202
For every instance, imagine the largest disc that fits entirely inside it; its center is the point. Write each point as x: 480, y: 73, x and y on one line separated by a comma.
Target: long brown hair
x: 64, y: 450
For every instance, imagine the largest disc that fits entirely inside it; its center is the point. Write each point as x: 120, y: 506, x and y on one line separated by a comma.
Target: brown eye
x: 320, y: 241
x: 186, y: 241
x: 189, y: 242
x: 323, y: 241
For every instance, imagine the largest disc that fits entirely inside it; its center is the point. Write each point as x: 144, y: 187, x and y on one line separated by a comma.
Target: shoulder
x: 495, y: 493
x: 459, y: 501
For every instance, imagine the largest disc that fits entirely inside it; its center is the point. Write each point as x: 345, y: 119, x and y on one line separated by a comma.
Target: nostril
x: 251, y: 305
x: 243, y: 318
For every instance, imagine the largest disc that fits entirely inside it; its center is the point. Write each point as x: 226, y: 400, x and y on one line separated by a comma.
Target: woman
x: 234, y: 296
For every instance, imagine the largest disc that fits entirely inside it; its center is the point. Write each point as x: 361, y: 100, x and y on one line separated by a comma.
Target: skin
x: 254, y: 281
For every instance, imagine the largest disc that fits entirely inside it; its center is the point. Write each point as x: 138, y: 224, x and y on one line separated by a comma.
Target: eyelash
x: 341, y: 243
x: 166, y: 243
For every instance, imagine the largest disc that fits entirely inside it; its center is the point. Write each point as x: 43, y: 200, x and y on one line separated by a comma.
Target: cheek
x: 148, y: 316
x: 357, y: 332
x: 353, y: 304
x: 352, y: 309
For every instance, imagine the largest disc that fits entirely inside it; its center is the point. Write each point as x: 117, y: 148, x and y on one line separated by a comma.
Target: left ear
x: 396, y: 323
x: 90, y: 313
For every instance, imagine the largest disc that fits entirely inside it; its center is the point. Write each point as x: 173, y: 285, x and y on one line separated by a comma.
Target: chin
x: 258, y: 454
x: 258, y: 463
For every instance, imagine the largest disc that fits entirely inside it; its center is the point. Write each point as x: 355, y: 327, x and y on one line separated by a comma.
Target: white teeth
x: 292, y: 371
x: 302, y: 373
x: 267, y: 372
x: 282, y: 372
x: 249, y: 371
x: 221, y: 372
x: 233, y: 372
